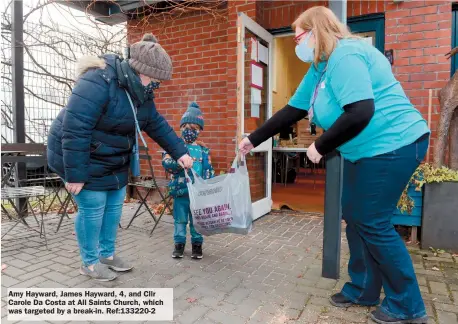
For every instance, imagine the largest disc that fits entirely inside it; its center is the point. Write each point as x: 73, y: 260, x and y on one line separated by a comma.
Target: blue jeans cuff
x: 359, y: 302
x: 402, y: 316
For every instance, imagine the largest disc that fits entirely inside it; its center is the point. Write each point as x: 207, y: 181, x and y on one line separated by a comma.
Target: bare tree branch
x: 51, y: 49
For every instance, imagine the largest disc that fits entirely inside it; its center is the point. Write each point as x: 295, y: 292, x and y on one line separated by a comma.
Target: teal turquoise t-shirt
x: 357, y: 71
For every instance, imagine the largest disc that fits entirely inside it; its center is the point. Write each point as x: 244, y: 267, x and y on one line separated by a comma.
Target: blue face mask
x: 304, y: 52
x: 190, y: 135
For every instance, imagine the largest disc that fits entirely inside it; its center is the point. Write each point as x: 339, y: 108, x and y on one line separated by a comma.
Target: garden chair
x: 149, y: 184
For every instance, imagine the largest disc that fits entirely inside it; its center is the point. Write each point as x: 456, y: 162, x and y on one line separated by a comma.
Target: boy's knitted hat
x: 149, y: 58
x: 193, y: 116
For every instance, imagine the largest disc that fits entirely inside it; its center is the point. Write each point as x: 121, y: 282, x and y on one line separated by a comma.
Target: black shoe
x: 339, y: 300
x: 179, y: 251
x: 196, y: 251
x: 380, y: 317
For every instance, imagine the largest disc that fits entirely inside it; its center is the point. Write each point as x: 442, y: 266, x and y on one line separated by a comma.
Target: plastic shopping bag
x: 222, y: 204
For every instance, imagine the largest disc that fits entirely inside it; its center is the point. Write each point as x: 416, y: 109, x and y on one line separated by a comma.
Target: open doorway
x: 298, y: 184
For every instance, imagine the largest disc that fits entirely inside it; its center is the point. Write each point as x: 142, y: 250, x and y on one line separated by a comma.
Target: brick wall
x: 198, y: 47
x: 419, y: 32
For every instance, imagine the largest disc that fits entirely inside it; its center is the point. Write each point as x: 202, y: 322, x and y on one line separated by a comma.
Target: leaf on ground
x: 191, y: 299
x: 4, y: 266
x: 300, y: 276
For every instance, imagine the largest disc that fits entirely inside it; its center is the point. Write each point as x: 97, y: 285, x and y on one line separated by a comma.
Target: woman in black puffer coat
x: 91, y: 140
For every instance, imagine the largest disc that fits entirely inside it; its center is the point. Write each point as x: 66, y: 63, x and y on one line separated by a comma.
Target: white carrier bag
x: 222, y: 204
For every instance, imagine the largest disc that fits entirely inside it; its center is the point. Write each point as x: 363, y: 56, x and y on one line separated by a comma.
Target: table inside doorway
x: 285, y: 160
x: 290, y: 149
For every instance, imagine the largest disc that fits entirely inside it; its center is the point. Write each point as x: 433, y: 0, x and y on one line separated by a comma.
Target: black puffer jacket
x: 91, y: 139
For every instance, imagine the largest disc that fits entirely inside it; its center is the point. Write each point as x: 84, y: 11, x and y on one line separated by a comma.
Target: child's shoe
x: 197, y: 251
x: 179, y: 251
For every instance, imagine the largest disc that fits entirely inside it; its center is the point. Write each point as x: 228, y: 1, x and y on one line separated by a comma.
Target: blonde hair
x: 326, y: 28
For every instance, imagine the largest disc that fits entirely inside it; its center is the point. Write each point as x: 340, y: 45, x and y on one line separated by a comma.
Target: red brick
x: 409, y: 53
x: 423, y: 60
x: 396, y: 46
x: 423, y: 43
x: 397, y: 14
x: 423, y: 77
x: 410, y: 37
x: 435, y: 84
x: 445, y: 24
x: 410, y: 20
x: 443, y: 42
x: 409, y: 69
x: 424, y: 27
x: 437, y: 67
x: 397, y: 30
x: 402, y: 77
x: 424, y: 10
x: 417, y: 93
x: 412, y: 4
x: 401, y: 61
x: 438, y: 34
x: 437, y: 50
x: 438, y: 17
x: 443, y: 76
x: 446, y: 7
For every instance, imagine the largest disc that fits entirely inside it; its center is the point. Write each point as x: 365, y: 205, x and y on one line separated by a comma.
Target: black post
x: 18, y: 72
x: 17, y: 43
x: 333, y: 191
x: 332, y: 217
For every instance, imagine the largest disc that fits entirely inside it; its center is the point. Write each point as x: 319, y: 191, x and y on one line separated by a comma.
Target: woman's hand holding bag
x: 185, y: 161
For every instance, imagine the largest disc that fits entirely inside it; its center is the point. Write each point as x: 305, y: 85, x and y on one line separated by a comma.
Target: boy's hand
x: 185, y: 161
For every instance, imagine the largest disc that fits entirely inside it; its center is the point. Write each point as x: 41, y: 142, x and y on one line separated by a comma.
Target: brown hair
x: 326, y: 28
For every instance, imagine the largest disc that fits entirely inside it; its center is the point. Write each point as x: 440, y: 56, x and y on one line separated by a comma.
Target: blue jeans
x: 182, y: 215
x: 378, y: 255
x: 96, y: 224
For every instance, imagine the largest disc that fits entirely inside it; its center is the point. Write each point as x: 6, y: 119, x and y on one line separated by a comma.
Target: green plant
x: 436, y: 252
x: 425, y: 173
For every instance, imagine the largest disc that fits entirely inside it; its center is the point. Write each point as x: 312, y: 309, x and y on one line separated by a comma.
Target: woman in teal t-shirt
x: 351, y: 92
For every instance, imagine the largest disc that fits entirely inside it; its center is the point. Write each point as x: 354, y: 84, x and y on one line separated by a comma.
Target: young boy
x: 192, y: 123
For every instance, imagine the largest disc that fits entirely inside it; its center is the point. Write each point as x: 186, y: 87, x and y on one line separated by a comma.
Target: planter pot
x: 413, y: 219
x: 440, y: 216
